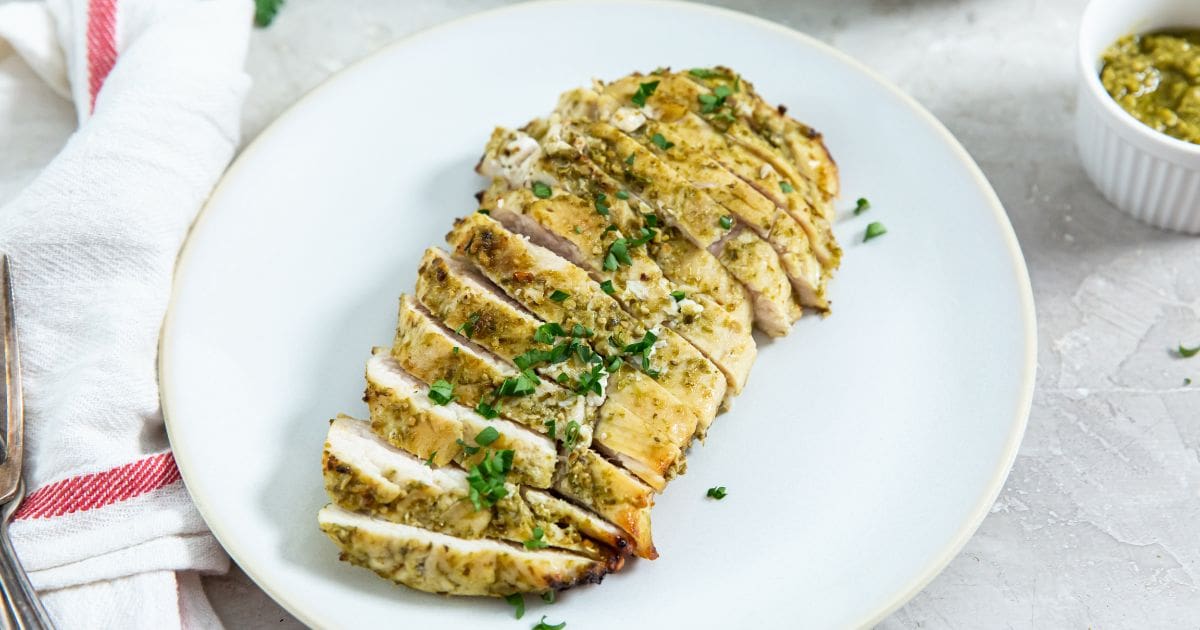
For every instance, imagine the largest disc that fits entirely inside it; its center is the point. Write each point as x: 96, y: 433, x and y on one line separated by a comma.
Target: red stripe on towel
x: 101, y: 44
x: 95, y: 490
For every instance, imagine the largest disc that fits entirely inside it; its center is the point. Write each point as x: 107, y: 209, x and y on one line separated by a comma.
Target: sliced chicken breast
x: 439, y: 563
x: 531, y: 274
x: 364, y: 474
x: 426, y: 350
x: 432, y: 353
x: 689, y: 154
x: 573, y: 228
x: 403, y: 414
x: 516, y: 158
x: 677, y: 101
x: 648, y: 445
x: 699, y: 218
x: 802, y: 144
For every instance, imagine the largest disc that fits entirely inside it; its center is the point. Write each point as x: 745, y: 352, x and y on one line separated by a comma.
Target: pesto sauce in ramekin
x: 1156, y: 78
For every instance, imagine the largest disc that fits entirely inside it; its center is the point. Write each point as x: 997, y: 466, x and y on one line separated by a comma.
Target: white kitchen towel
x: 108, y: 532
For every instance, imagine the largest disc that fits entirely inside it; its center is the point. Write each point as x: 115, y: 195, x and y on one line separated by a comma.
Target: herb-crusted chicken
x: 553, y: 366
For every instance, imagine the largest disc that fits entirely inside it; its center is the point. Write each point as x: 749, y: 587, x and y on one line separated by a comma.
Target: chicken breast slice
x: 438, y: 563
x: 515, y: 158
x: 431, y: 353
x: 531, y: 274
x: 403, y: 414
x: 647, y: 445
x: 426, y: 350
x: 691, y: 156
x: 699, y: 218
x: 803, y: 144
x: 574, y: 229
x: 364, y: 474
x: 677, y: 101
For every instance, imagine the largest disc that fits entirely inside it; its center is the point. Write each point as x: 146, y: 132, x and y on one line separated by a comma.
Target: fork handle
x: 23, y: 609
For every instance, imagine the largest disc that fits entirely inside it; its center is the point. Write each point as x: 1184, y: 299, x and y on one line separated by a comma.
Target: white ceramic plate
x: 864, y: 452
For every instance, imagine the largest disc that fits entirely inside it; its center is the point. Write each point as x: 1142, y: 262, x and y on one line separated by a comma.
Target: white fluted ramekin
x: 1150, y: 175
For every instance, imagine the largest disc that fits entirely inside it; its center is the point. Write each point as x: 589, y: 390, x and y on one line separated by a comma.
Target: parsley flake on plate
x: 517, y: 601
x: 876, y: 230
x: 542, y: 625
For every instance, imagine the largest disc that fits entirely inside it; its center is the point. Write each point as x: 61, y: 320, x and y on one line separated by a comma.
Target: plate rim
x: 937, y: 562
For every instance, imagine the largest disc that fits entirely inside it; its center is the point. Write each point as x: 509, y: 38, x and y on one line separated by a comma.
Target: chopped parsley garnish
x: 487, y: 478
x: 710, y: 103
x: 876, y: 229
x: 264, y: 12
x: 467, y: 448
x: 570, y: 435
x: 536, y: 541
x: 620, y: 251
x: 548, y: 597
x: 517, y: 601
x: 522, y: 384
x: 546, y: 333
x: 487, y: 436
x: 468, y: 327
x: 484, y: 211
x: 429, y: 460
x: 643, y: 92
x: 645, y: 235
x: 590, y: 382
x: 622, y: 194
x: 1188, y: 353
x: 559, y: 296
x: 614, y: 364
x: 455, y: 350
x: 705, y: 73
x: 651, y: 220
x: 550, y: 426
x: 861, y: 206
x: 486, y: 410
x: 726, y: 222
x: 610, y: 262
x: 607, y: 287
x: 542, y: 625
x: 786, y: 187
x: 577, y: 230
x: 717, y: 493
x: 629, y: 160
x: 441, y: 392
x: 678, y: 295
x: 601, y: 205
x: 644, y: 347
x: 562, y: 378
x: 1187, y: 381
x: 541, y: 191
x: 579, y: 330
x: 661, y: 142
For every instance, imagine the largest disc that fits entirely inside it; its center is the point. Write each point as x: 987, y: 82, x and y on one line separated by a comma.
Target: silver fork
x: 22, y: 609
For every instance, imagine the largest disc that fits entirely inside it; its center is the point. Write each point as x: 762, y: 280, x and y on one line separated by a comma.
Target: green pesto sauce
x: 1156, y: 78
